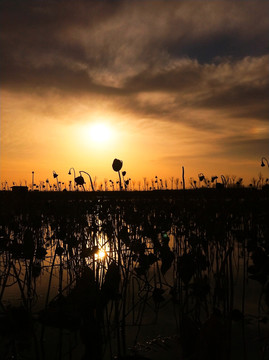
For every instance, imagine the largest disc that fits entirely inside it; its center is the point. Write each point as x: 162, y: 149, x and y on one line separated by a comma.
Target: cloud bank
x: 202, y: 65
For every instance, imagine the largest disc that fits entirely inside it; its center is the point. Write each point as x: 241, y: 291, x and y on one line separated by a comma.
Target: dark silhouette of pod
x: 117, y: 165
x: 79, y: 180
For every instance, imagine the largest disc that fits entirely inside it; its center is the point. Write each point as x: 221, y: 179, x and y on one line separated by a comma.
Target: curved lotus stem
x: 89, y: 177
x: 69, y: 173
x: 224, y: 180
x: 262, y: 162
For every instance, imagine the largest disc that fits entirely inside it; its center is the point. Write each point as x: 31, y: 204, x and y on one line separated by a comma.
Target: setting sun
x: 95, y: 135
x: 100, y: 132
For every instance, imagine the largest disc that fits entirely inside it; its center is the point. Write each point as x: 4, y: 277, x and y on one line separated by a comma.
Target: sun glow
x: 101, y: 254
x: 96, y: 135
x: 100, y: 133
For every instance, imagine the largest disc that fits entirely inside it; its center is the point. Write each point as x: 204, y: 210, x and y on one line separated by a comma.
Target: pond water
x: 151, y: 276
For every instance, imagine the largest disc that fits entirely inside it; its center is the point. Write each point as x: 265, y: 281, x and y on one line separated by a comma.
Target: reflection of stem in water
x: 140, y: 319
x: 29, y: 282
x: 117, y: 314
x: 47, y: 300
x: 124, y: 298
x: 60, y: 307
x: 243, y: 300
x: 20, y: 286
x: 230, y: 293
x: 5, y: 280
x: 50, y: 279
x: 231, y: 281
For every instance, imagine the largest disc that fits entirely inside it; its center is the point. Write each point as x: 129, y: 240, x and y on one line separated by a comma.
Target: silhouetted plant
x: 92, y: 186
x: 55, y: 176
x: 214, y: 179
x: 263, y: 161
x: 157, y: 182
x: 75, y: 181
x: 117, y: 165
x: 47, y: 184
x: 33, y: 179
x: 193, y: 183
x: 112, y: 184
x: 126, y: 182
x: 201, y: 177
x: 239, y: 182
x: 172, y: 183
x: 106, y: 184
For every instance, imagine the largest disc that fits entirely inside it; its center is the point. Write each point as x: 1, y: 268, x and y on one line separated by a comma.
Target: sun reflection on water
x: 101, y: 254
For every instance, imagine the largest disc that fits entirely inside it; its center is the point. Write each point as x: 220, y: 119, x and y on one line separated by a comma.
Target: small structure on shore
x: 19, y: 189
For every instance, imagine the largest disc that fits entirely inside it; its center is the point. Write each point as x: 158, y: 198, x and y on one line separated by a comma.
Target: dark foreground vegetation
x: 105, y: 275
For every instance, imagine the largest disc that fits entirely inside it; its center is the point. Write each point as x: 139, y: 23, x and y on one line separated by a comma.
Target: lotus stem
x: 89, y: 177
x: 120, y: 180
x: 69, y: 172
x: 33, y: 179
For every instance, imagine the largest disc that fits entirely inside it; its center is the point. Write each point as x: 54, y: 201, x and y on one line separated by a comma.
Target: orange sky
x: 171, y: 89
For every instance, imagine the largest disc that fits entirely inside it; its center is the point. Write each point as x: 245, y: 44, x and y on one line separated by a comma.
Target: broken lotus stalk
x: 89, y: 177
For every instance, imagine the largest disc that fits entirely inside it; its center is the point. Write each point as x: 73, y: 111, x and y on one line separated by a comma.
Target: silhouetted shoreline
x: 90, y: 195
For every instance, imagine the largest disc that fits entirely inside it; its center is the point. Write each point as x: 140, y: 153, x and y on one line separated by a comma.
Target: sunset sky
x: 168, y: 83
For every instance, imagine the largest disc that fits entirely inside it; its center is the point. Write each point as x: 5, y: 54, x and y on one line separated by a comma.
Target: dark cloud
x: 240, y: 101
x: 244, y: 147
x: 42, y: 79
x: 234, y: 148
x: 180, y: 77
x: 233, y: 89
x: 155, y: 58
